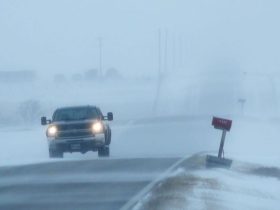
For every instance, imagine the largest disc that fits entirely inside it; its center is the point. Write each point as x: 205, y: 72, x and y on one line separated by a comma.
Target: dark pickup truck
x: 78, y: 129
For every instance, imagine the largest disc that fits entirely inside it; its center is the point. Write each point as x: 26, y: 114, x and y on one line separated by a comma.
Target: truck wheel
x: 108, y: 138
x: 55, y: 153
x: 104, y: 151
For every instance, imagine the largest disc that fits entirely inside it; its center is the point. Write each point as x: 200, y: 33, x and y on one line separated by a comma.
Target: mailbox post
x: 221, y: 149
x: 224, y: 125
x: 213, y: 161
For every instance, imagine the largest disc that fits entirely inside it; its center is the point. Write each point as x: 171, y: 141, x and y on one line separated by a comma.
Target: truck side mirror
x: 110, y: 116
x: 43, y: 121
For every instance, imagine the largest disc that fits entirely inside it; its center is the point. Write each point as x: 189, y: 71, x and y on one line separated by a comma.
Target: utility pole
x: 165, y: 51
x: 159, y: 73
x: 242, y: 102
x: 100, y: 56
x: 159, y: 53
x: 180, y: 51
x: 174, y: 52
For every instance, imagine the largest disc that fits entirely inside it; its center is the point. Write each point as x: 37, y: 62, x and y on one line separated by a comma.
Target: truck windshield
x: 72, y: 114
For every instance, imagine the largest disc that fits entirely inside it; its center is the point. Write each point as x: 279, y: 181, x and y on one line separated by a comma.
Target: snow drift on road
x: 244, y: 186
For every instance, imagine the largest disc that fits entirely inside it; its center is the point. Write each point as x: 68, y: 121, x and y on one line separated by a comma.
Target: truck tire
x: 108, y: 137
x: 104, y: 151
x: 55, y: 153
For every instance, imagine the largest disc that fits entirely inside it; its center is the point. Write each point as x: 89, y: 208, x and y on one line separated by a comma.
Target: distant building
x: 17, y: 76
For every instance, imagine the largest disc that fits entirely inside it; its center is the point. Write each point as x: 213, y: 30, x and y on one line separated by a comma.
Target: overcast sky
x: 54, y: 36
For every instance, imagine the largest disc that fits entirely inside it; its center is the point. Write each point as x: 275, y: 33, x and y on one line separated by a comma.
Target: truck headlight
x: 52, y: 131
x: 97, y: 127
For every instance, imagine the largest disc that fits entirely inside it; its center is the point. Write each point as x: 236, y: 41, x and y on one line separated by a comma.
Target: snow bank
x: 253, y: 187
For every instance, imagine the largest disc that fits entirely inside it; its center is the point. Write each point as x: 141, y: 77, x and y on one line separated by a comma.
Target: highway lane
x: 76, y: 185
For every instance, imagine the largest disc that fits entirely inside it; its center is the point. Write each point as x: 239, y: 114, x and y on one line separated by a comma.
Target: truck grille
x: 74, y: 130
x: 76, y: 126
x: 74, y: 133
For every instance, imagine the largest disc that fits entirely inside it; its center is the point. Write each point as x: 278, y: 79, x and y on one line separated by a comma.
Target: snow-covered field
x: 180, y: 125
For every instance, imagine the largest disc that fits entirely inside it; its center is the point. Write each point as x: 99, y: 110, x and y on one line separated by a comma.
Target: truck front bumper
x: 81, y: 144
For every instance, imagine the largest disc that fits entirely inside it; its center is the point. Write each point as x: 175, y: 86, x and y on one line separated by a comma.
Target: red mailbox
x: 220, y: 123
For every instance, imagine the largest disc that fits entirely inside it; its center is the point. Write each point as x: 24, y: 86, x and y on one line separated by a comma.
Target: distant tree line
x: 90, y: 75
x: 17, y: 76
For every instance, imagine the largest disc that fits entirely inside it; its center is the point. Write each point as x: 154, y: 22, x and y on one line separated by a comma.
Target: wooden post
x: 222, y: 144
